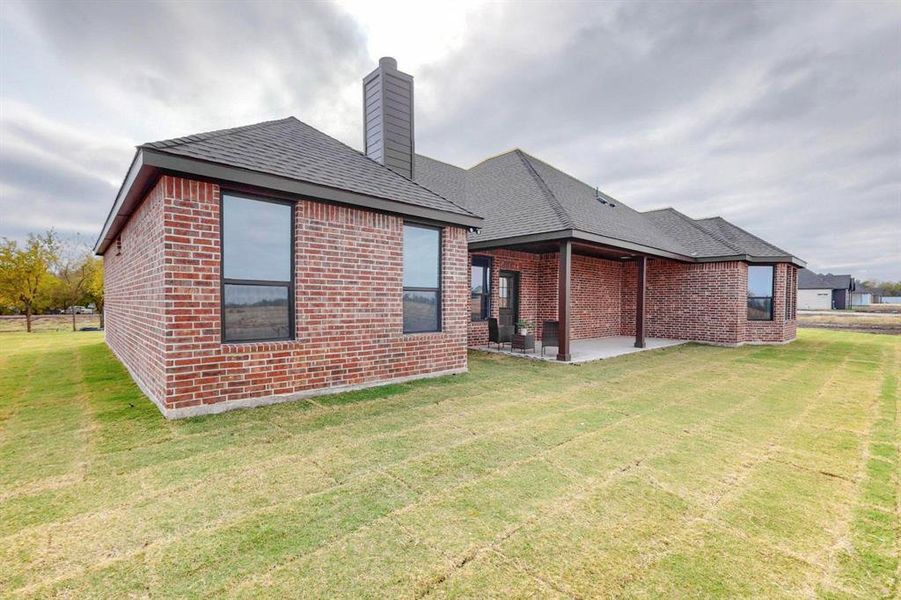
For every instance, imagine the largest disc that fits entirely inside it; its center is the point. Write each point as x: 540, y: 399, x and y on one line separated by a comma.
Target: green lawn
x: 690, y: 471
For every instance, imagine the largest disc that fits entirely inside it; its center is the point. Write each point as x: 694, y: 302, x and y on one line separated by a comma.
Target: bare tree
x: 74, y: 270
x: 95, y: 285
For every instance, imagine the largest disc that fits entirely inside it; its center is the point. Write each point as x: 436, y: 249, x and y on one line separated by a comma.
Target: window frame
x: 771, y: 297
x: 223, y: 280
x: 437, y: 290
x: 488, y: 265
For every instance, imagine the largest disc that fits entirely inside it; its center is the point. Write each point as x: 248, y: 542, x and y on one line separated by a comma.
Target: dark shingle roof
x: 585, y: 211
x: 444, y: 178
x: 510, y: 199
x: 518, y: 195
x: 808, y: 280
x: 682, y: 227
x: 290, y: 148
x: 741, y: 239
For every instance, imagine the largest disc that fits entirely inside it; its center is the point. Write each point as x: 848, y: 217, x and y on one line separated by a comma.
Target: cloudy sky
x: 782, y: 117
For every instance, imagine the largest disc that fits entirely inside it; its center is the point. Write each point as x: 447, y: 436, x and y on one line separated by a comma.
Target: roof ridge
x: 213, y: 134
x: 745, y: 231
x: 600, y: 194
x: 565, y: 173
x: 556, y: 205
x: 702, y: 229
x: 492, y: 157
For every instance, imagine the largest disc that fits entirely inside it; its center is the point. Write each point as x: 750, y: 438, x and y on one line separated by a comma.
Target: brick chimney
x: 388, y: 117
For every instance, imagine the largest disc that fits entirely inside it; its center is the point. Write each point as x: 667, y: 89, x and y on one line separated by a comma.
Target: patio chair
x: 549, y: 335
x: 499, y: 335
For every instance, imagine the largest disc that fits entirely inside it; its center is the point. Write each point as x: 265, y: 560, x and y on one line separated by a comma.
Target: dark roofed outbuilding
x: 808, y: 280
x: 824, y: 291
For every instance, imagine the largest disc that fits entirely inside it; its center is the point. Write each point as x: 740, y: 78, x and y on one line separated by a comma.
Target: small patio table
x: 523, y: 342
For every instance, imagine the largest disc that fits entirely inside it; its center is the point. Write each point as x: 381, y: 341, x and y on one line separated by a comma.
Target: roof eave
x: 577, y: 234
x: 627, y: 246
x: 755, y: 259
x: 130, y: 192
x: 149, y: 162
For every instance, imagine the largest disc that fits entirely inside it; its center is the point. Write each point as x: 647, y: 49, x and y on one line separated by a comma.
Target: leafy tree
x: 25, y: 276
x: 892, y: 287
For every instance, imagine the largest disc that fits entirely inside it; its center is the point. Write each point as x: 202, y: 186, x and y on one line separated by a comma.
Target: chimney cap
x: 388, y: 62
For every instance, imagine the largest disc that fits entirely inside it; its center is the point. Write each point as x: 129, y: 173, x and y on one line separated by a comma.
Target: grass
x: 13, y: 324
x: 878, y: 308
x: 861, y: 319
x: 689, y: 471
x: 853, y: 321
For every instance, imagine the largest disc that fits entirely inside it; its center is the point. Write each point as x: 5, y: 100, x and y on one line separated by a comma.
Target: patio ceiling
x: 579, y: 248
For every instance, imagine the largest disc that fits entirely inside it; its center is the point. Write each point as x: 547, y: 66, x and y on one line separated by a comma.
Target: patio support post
x: 564, y: 300
x: 639, y: 301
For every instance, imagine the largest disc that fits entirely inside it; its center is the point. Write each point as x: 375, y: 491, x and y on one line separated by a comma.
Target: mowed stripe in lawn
x: 570, y: 471
x: 37, y: 419
x: 130, y: 519
x: 612, y: 477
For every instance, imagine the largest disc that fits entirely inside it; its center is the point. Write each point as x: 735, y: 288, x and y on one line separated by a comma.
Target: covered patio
x: 593, y: 294
x: 587, y: 350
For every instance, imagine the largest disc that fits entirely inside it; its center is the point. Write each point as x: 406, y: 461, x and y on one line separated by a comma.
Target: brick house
x: 268, y: 262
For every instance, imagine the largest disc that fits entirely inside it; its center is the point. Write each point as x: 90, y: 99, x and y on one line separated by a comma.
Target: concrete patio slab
x: 588, y: 350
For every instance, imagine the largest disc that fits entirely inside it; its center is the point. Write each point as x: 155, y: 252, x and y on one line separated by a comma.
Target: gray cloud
x: 54, y: 176
x: 83, y: 83
x: 200, y: 61
x: 783, y: 118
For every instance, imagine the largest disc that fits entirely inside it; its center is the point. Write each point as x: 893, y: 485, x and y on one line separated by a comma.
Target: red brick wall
x: 779, y: 329
x: 134, y: 302
x: 548, y: 288
x: 596, y: 297
x: 596, y: 293
x: 528, y: 267
x: 703, y: 302
x: 349, y: 315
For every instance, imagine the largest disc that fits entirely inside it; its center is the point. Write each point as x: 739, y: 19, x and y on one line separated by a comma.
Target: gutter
x: 748, y: 258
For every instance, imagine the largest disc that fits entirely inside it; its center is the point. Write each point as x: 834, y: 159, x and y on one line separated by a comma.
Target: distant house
x: 824, y: 292
x: 864, y: 295
x: 262, y: 263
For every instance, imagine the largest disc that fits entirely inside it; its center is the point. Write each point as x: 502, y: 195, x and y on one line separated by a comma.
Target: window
x: 480, y: 290
x: 257, y: 269
x: 503, y: 293
x: 760, y: 293
x: 422, y: 278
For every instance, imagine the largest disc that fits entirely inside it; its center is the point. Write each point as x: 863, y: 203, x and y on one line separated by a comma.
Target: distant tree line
x: 49, y: 274
x: 885, y: 288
